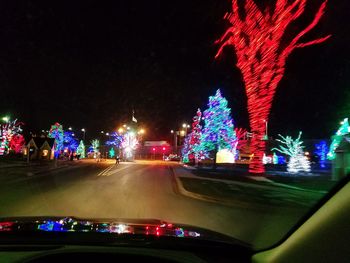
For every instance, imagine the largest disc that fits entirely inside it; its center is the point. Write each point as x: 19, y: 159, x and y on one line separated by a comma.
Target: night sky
x: 88, y: 63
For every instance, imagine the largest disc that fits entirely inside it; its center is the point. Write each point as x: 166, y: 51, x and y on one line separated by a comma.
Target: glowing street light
x: 84, y: 131
x: 184, y: 125
x: 120, y: 130
x: 107, y: 133
x: 70, y: 128
x: 172, y: 131
x: 102, y: 132
x: 6, y: 119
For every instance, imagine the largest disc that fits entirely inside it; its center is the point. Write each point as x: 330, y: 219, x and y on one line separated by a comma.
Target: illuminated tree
x: 111, y: 153
x: 261, y: 57
x: 218, y: 132
x: 116, y: 139
x: 56, y: 132
x: 192, y: 140
x: 344, y: 129
x: 294, y: 148
x: 17, y: 142
x: 95, y: 144
x: 321, y: 150
x: 8, y: 132
x: 69, y: 141
x: 81, y: 149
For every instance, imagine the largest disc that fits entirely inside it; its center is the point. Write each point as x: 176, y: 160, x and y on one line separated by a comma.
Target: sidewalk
x: 244, y: 192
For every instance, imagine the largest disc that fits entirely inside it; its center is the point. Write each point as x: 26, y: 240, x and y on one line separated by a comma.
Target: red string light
x: 261, y: 59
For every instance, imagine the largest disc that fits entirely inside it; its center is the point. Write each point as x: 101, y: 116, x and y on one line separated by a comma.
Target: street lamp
x: 107, y: 133
x: 70, y: 128
x: 84, y: 131
x: 120, y: 130
x: 102, y: 132
x: 6, y: 119
x: 172, y: 131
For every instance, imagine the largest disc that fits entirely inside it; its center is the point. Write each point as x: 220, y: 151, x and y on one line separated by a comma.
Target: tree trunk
x: 257, y: 146
x: 258, y: 114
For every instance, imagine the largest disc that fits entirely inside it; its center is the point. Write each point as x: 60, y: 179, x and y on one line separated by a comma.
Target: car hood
x: 117, y: 228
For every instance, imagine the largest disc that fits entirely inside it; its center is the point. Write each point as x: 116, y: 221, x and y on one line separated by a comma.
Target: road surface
x: 143, y: 189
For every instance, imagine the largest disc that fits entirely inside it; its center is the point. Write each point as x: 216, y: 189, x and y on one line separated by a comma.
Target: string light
x: 257, y: 42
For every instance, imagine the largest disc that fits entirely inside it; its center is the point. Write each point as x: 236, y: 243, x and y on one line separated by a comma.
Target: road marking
x: 105, y: 171
x: 108, y: 172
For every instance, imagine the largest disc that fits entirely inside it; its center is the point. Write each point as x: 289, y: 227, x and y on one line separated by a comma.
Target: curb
x: 180, y: 189
x: 271, y: 183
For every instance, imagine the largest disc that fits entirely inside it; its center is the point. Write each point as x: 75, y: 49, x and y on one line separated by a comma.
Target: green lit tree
x: 218, y: 132
x: 95, y: 144
x: 81, y: 149
x: 344, y: 129
x: 111, y: 153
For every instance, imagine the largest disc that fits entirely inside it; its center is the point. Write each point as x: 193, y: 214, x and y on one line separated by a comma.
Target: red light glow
x: 261, y: 58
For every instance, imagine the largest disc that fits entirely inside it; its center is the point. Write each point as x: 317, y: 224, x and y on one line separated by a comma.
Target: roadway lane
x: 144, y: 189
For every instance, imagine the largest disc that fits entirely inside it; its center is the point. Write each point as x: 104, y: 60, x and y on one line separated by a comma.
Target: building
x: 40, y: 148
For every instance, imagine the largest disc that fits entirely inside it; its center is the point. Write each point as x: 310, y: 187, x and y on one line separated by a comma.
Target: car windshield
x: 231, y: 116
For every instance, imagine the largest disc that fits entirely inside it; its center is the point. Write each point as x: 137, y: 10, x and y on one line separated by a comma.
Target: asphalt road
x: 144, y: 189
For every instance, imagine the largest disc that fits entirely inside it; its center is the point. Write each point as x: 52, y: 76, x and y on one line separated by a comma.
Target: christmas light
x: 10, y: 136
x: 293, y: 147
x: 343, y: 130
x: 69, y: 141
x: 192, y: 140
x: 321, y: 151
x: 56, y: 132
x: 298, y: 163
x: 95, y: 144
x: 218, y: 132
x: 261, y: 58
x: 81, y: 149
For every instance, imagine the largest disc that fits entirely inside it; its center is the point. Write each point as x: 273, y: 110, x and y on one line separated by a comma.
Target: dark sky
x: 88, y: 63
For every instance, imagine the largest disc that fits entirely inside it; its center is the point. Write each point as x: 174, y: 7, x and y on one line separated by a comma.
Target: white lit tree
x: 298, y: 162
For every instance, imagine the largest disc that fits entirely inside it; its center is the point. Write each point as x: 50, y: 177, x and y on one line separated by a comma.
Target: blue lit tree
x: 56, y: 132
x: 69, y: 141
x: 116, y: 139
x: 218, y: 132
x: 321, y: 151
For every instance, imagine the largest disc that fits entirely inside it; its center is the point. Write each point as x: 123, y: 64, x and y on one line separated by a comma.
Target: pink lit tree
x: 261, y: 58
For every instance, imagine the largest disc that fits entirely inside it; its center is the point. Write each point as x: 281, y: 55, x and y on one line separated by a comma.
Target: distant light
x: 120, y: 130
x: 154, y: 149
x: 307, y: 153
x: 142, y: 131
x: 128, y: 128
x: 107, y: 133
x: 6, y: 118
x: 172, y: 131
x: 102, y: 132
x: 83, y: 130
x: 163, y: 148
x: 184, y: 125
x: 73, y: 134
x: 182, y: 133
x: 70, y: 128
x: 128, y: 149
x: 188, y: 126
x: 124, y: 125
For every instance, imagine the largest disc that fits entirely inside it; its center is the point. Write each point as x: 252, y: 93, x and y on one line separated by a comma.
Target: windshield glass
x: 224, y: 115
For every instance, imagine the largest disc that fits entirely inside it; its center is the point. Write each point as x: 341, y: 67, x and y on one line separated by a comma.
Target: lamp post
x: 84, y: 131
x: 266, y: 135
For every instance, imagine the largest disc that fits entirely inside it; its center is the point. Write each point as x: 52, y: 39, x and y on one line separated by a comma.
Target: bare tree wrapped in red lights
x: 193, y: 140
x: 261, y: 58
